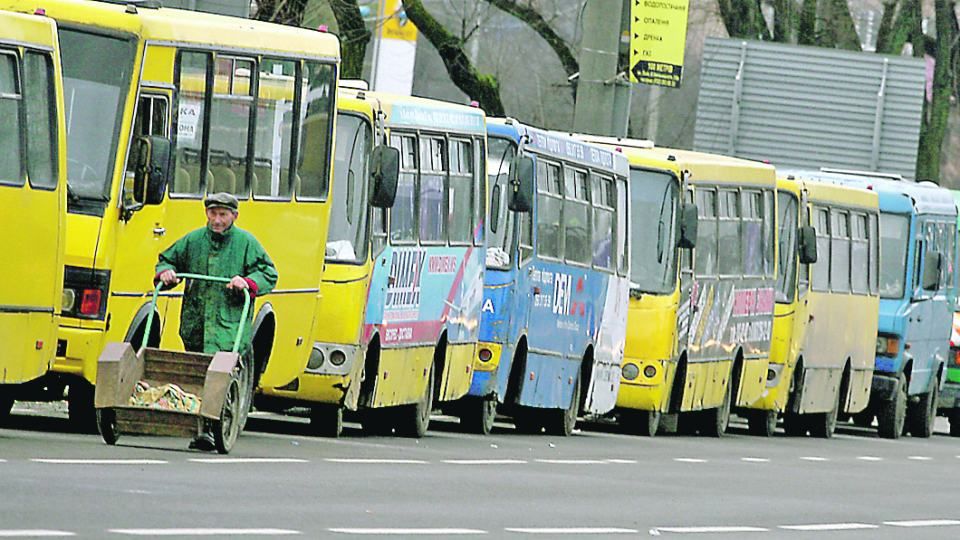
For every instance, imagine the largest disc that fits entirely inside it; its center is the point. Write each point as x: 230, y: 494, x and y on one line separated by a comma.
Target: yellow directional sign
x: 658, y: 34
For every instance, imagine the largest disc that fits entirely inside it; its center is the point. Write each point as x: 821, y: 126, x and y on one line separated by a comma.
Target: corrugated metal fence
x: 810, y: 107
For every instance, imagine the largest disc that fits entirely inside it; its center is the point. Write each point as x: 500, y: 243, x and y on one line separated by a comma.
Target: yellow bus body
x: 32, y: 223
x: 125, y: 244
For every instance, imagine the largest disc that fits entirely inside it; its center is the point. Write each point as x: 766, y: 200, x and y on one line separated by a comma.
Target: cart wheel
x: 107, y: 425
x: 226, y: 429
x: 246, y: 391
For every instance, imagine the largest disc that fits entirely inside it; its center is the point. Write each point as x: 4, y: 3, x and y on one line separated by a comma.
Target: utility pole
x: 594, y: 112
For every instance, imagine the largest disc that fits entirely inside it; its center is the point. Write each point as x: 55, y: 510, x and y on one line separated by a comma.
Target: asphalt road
x: 279, y: 481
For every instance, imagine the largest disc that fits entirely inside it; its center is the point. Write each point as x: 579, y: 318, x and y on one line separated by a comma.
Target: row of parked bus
x: 430, y: 257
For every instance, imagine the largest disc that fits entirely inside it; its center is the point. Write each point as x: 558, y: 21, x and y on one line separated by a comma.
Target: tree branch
x: 354, y: 36
x: 539, y: 25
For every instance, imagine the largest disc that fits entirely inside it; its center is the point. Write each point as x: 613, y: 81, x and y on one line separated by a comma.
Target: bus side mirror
x: 522, y: 181
x: 385, y: 173
x: 808, y: 245
x: 152, y: 169
x: 932, y: 262
x: 689, y: 224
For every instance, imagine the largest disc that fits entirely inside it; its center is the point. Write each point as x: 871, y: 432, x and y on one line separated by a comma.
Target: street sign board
x: 658, y: 34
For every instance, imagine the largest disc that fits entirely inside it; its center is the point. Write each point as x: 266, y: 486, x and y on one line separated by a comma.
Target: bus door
x: 933, y: 314
x: 687, y: 308
x: 31, y: 222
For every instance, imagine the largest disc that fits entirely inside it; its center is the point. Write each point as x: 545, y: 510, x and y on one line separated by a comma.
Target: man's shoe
x: 203, y: 442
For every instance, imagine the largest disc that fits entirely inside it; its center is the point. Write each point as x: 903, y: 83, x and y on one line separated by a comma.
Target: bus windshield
x: 654, y: 196
x: 95, y: 90
x: 346, y: 241
x: 787, y: 267
x: 894, y: 239
x: 500, y: 155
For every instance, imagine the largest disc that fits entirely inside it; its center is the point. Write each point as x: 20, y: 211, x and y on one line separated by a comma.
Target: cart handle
x: 156, y: 293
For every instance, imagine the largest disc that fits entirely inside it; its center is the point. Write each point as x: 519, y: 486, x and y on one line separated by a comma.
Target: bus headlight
x: 630, y: 372
x: 338, y: 357
x: 316, y: 359
x: 485, y: 355
x: 650, y: 371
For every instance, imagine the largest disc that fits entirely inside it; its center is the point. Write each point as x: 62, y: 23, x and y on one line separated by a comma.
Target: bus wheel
x: 477, y: 414
x: 762, y: 423
x: 413, y: 420
x: 715, y: 421
x: 922, y: 414
x: 563, y: 421
x: 107, y: 425
x: 822, y: 425
x: 892, y: 414
x: 954, y: 418
x: 80, y: 411
x: 644, y: 423
x: 326, y: 420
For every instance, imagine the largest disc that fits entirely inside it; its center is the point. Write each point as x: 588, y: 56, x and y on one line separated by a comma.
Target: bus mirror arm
x: 689, y: 224
x: 808, y: 245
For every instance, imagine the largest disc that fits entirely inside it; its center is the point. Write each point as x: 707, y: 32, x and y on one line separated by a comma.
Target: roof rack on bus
x: 869, y: 174
x: 355, y: 84
x: 617, y: 141
x: 146, y: 4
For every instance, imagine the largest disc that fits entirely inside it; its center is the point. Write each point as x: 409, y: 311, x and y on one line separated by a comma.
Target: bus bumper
x: 649, y: 389
x: 884, y: 387
x: 484, y: 381
x: 77, y: 352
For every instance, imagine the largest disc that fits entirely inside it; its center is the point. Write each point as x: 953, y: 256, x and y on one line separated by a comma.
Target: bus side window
x: 151, y: 120
x: 39, y: 107
x: 316, y: 130
x: 623, y: 231
x: 576, y: 216
x: 752, y: 233
x: 191, y: 123
x: 549, y: 205
x: 404, y: 210
x: 949, y: 255
x: 706, y: 250
x: 874, y: 267
x: 431, y: 197
x: 461, y: 212
x: 821, y: 268
x: 479, y: 181
x: 769, y: 223
x: 604, y: 214
x: 840, y: 251
x: 11, y: 153
x: 859, y: 255
x: 728, y: 233
x: 273, y: 135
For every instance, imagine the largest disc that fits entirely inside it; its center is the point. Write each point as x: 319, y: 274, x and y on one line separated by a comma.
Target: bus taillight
x: 90, y: 303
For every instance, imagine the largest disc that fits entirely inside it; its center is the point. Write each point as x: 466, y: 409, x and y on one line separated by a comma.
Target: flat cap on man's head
x: 221, y: 200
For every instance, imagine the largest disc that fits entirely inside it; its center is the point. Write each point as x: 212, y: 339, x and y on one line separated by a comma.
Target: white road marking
x: 431, y: 532
x: 249, y: 460
x: 377, y: 461
x: 755, y: 460
x: 137, y: 491
x: 870, y: 458
x: 814, y: 458
x: 3, y: 461
x: 622, y: 461
x: 697, y: 530
x: 689, y: 460
x: 572, y: 530
x: 572, y: 461
x: 206, y: 532
x: 923, y: 523
x: 485, y: 461
x: 830, y: 527
x: 920, y: 458
x: 101, y: 461
x: 33, y: 533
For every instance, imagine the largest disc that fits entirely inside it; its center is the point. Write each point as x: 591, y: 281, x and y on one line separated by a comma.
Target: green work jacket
x: 211, y: 312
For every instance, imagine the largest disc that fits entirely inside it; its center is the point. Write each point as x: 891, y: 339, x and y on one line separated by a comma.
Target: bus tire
x: 891, y: 416
x: 794, y: 425
x: 643, y: 423
x: 80, y: 411
x: 326, y: 420
x: 414, y: 420
x: 561, y: 422
x: 954, y: 417
x: 716, y: 421
x: 822, y: 425
x: 762, y: 423
x: 921, y: 415
x: 478, y: 413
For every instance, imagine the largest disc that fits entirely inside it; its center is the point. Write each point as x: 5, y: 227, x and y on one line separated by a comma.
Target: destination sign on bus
x: 436, y: 118
x: 566, y: 147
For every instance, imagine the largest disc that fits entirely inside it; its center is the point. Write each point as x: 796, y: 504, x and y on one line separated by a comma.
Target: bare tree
x: 354, y: 36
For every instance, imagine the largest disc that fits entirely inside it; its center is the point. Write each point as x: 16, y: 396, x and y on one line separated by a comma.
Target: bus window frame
x: 251, y: 100
x: 425, y: 135
x: 595, y: 205
x: 567, y: 199
x: 738, y: 219
x: 205, y: 120
x: 793, y: 285
x: 299, y: 115
x: 856, y: 215
x: 469, y: 143
x: 415, y: 135
x: 53, y: 128
x: 535, y: 215
x: 21, y: 117
x: 294, y: 141
x: 745, y: 195
x: 368, y: 233
x: 838, y: 216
